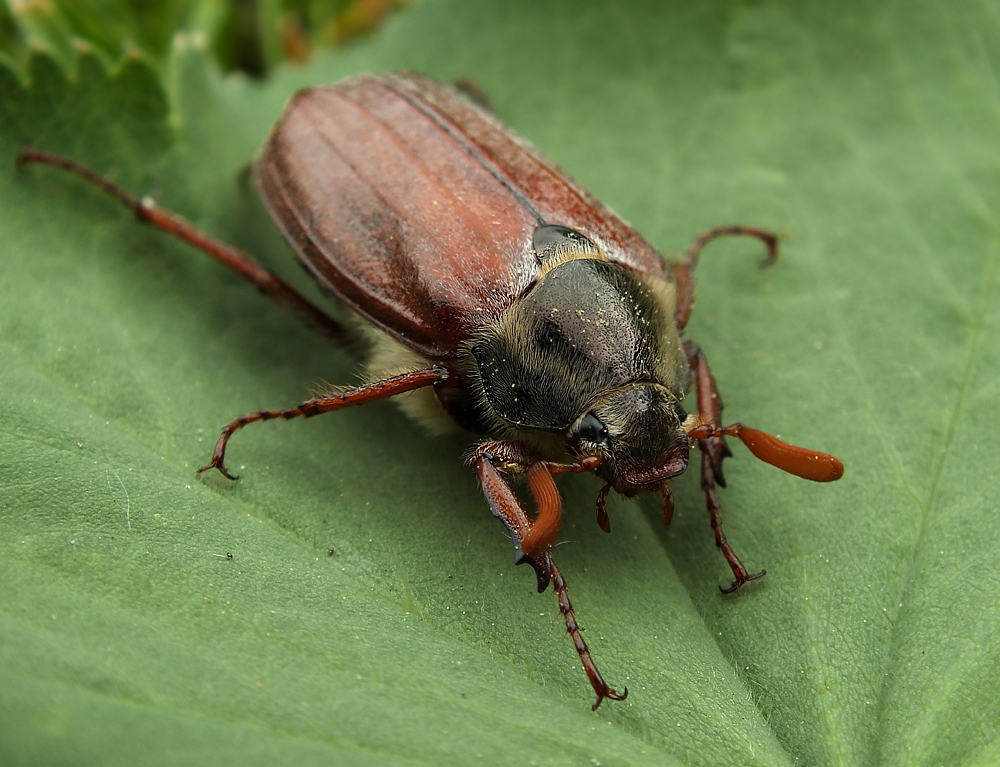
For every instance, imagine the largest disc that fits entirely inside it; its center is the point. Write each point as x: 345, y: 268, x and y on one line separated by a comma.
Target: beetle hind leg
x: 683, y: 271
x: 146, y: 211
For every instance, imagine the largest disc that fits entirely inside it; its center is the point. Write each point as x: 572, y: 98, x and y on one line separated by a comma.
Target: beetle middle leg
x: 533, y: 539
x: 713, y: 451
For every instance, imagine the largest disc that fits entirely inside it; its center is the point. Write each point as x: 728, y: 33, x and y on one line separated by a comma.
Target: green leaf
x: 865, y: 132
x: 250, y: 36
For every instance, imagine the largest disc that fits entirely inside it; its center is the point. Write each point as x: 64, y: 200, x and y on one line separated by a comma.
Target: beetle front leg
x: 713, y: 451
x: 325, y: 404
x: 508, y: 509
x: 709, y: 410
x: 533, y: 540
x: 601, y: 688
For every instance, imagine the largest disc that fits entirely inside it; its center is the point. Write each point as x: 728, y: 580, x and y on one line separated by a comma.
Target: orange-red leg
x: 683, y: 270
x: 713, y: 451
x: 533, y: 539
x: 325, y: 404
x: 710, y: 435
x: 146, y: 211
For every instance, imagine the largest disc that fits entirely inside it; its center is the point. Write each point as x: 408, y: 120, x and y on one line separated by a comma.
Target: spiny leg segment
x: 146, y: 211
x: 533, y: 539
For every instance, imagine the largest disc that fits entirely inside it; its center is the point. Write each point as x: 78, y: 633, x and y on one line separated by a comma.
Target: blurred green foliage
x: 251, y: 36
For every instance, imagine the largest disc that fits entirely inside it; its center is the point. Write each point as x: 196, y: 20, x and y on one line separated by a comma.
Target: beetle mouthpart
x: 603, y: 520
x: 668, y: 504
x: 646, y: 438
x: 640, y: 471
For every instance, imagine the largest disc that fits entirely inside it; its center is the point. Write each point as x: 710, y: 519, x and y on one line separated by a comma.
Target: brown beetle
x: 519, y: 306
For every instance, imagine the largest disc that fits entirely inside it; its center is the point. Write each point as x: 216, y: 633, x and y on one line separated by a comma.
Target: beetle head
x: 639, y: 431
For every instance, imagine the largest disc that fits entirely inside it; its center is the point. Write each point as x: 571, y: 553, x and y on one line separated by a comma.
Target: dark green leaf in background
x: 867, y: 133
x: 249, y: 36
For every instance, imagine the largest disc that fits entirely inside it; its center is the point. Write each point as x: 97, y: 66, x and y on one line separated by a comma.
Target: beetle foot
x: 742, y: 578
x: 218, y: 463
x: 611, y: 694
x: 601, y: 688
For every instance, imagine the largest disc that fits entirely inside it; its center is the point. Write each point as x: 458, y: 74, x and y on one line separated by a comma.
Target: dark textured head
x: 639, y: 429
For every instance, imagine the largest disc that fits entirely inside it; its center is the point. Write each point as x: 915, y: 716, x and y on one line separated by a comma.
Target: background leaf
x: 248, y: 36
x: 866, y: 132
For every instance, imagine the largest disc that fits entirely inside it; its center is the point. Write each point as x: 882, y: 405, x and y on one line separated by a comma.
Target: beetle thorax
x: 588, y: 327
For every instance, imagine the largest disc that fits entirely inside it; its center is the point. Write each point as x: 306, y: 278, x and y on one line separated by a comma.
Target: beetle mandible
x: 506, y: 297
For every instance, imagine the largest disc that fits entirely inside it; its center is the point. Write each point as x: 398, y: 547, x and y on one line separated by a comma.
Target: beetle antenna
x: 800, y: 461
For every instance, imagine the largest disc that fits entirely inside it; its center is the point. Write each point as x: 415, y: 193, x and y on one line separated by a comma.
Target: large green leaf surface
x: 867, y: 133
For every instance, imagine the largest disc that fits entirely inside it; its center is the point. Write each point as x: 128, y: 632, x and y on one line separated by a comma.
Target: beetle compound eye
x: 592, y: 429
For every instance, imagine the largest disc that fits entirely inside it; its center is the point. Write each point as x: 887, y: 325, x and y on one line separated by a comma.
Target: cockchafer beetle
x: 506, y: 297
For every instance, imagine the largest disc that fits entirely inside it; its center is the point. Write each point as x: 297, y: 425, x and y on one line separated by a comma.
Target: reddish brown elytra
x: 515, y: 304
